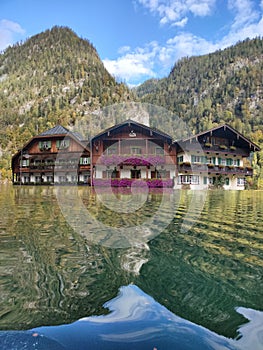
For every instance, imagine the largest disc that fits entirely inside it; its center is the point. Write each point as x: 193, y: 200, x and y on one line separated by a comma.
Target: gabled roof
x: 134, y: 123
x: 61, y: 130
x: 57, y: 130
x: 224, y: 130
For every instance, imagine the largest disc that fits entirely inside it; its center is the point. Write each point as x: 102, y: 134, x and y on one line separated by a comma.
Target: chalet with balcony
x: 130, y: 151
x: 217, y: 157
x: 54, y: 156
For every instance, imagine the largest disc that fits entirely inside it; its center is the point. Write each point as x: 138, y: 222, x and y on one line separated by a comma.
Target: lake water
x: 196, y: 257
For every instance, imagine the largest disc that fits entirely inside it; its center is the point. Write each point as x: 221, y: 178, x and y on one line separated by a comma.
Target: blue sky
x: 138, y: 39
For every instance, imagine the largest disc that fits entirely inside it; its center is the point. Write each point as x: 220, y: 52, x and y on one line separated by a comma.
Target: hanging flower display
x: 132, y: 160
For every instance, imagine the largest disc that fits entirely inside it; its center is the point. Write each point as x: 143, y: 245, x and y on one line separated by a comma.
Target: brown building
x: 55, y: 156
x: 130, y: 151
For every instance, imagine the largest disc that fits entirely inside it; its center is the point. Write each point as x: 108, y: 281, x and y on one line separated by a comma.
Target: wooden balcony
x: 214, y: 169
x: 222, y: 149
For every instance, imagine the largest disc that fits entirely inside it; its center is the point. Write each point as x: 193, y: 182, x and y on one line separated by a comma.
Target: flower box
x: 127, y: 182
x: 208, y: 144
x: 233, y: 148
x: 223, y: 146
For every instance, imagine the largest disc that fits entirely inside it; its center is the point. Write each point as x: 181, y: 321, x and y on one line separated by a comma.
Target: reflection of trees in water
x: 52, y: 275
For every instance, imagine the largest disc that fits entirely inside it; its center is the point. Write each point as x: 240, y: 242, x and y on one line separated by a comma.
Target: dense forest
x: 56, y: 77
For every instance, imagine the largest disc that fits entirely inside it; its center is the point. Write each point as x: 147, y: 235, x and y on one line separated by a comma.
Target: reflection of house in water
x: 133, y: 153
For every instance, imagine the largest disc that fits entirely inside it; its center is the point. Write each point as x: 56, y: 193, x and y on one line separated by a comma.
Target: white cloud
x: 124, y: 49
x: 181, y: 23
x: 10, y: 32
x: 134, y: 65
x: 144, y: 63
x: 173, y: 11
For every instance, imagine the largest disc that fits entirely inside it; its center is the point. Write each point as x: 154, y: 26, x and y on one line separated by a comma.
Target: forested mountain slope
x: 225, y: 86
x: 222, y: 87
x: 56, y: 77
x: 53, y: 77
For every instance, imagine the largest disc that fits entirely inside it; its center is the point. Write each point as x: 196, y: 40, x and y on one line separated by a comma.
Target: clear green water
x: 51, y: 274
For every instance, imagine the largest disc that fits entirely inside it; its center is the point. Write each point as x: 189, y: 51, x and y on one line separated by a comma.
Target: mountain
x: 56, y: 77
x: 222, y: 87
x: 53, y: 77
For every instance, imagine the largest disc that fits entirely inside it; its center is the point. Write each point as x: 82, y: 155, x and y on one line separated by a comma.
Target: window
x: 84, y: 160
x: 199, y: 159
x: 86, y: 177
x: 74, y: 178
x: 227, y: 181
x: 188, y: 179
x: 62, y: 178
x: 194, y: 179
x: 110, y: 174
x: 236, y: 162
x: 136, y: 150
x: 38, y: 179
x: 159, y: 150
x: 26, y: 179
x: 162, y: 174
x: 50, y: 178
x: 229, y: 161
x: 240, y: 181
x: 62, y: 144
x: 25, y: 163
x: 180, y: 159
x: 44, y: 145
x: 208, y: 180
x: 112, y: 150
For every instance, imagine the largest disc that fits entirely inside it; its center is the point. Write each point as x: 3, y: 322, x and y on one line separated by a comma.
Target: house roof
x: 224, y: 130
x: 58, y: 130
x: 132, y: 122
x: 61, y: 130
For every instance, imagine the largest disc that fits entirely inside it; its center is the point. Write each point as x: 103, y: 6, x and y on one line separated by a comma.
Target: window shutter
x: 205, y: 180
x: 219, y: 160
x: 192, y: 159
x: 238, y: 162
x: 57, y: 144
x: 214, y: 160
x: 40, y: 145
x: 81, y: 160
x: 49, y: 143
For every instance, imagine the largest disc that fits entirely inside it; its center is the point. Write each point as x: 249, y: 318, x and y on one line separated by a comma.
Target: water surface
x: 203, y: 265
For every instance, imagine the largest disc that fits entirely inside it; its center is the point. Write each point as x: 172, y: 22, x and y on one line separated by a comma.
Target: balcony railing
x: 208, y: 147
x: 212, y: 168
x: 134, y: 159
